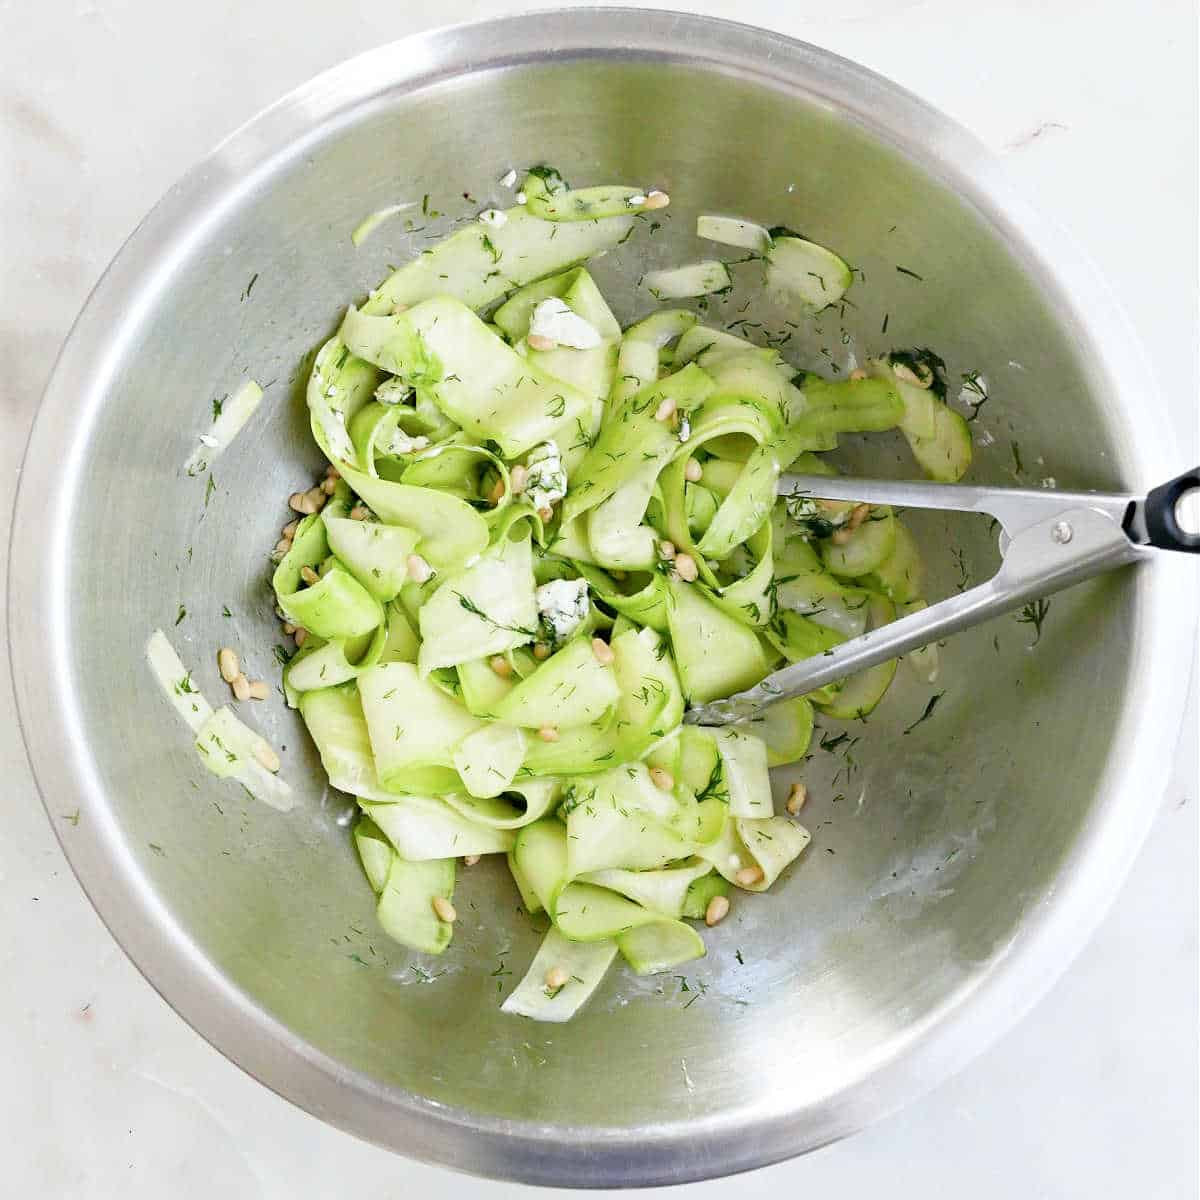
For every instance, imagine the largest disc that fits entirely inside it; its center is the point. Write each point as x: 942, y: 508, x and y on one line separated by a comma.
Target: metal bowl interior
x: 954, y: 869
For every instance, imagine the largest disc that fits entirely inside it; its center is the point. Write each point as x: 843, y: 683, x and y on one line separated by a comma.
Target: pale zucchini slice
x: 423, y: 828
x: 695, y: 279
x: 584, y: 964
x: 660, y: 947
x: 405, y: 908
x: 867, y: 549
x: 481, y: 262
x: 489, y: 759
x: 809, y: 272
x: 374, y: 851
x: 571, y: 688
x: 733, y: 231
x: 716, y: 654
x: 901, y: 575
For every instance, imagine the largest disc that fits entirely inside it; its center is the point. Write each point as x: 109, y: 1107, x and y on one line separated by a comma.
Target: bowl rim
x: 122, y: 895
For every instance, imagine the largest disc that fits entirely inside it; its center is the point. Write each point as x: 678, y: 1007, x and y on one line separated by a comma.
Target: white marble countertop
x: 103, y: 1090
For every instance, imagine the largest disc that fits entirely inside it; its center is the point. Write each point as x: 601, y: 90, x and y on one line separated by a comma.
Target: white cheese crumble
x: 392, y: 391
x: 508, y: 178
x: 563, y: 605
x: 554, y: 319
x: 685, y: 428
x: 402, y: 443
x: 493, y: 217
x: 521, y: 197
x: 636, y: 201
x: 546, y: 482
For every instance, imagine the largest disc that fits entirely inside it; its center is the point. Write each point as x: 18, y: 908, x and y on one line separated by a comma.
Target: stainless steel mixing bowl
x: 954, y: 870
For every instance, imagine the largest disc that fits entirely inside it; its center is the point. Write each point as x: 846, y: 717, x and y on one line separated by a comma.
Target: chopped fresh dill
x: 933, y: 700
x: 1034, y: 613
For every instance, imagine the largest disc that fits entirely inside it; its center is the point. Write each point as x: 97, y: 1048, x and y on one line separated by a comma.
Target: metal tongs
x: 1049, y: 540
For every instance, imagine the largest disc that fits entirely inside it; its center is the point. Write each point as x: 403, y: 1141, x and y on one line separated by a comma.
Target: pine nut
x: 260, y: 689
x: 444, y: 910
x: 241, y: 688
x: 556, y: 978
x: 602, y: 650
x: 471, y: 860
x: 548, y: 733
x: 662, y: 779
x: 656, y: 199
x: 419, y: 571
x: 309, y: 576
x: 541, y: 651
x: 298, y: 502
x: 857, y: 374
x: 796, y: 799
x: 497, y: 492
x: 329, y: 485
x: 693, y: 471
x: 316, y: 498
x: 546, y: 513
x: 748, y: 877
x: 666, y: 550
x: 665, y: 411
x: 266, y: 757
x: 289, y: 530
x: 228, y: 664
x: 288, y: 628
x: 301, y: 636
x: 537, y: 341
x: 331, y: 472
x: 359, y: 513
x: 685, y: 567
x: 717, y: 911
x: 501, y: 666
x: 281, y: 548
x: 518, y: 477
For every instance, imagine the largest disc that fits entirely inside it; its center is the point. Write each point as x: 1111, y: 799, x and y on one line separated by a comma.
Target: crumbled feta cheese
x: 493, y: 217
x: 392, y: 391
x: 636, y: 201
x: 333, y: 426
x: 563, y: 605
x: 521, y: 197
x: 402, y: 443
x: 685, y: 428
x: 546, y: 482
x: 508, y: 178
x: 554, y: 319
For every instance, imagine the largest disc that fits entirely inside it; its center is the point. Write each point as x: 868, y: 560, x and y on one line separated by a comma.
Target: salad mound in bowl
x: 538, y: 538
